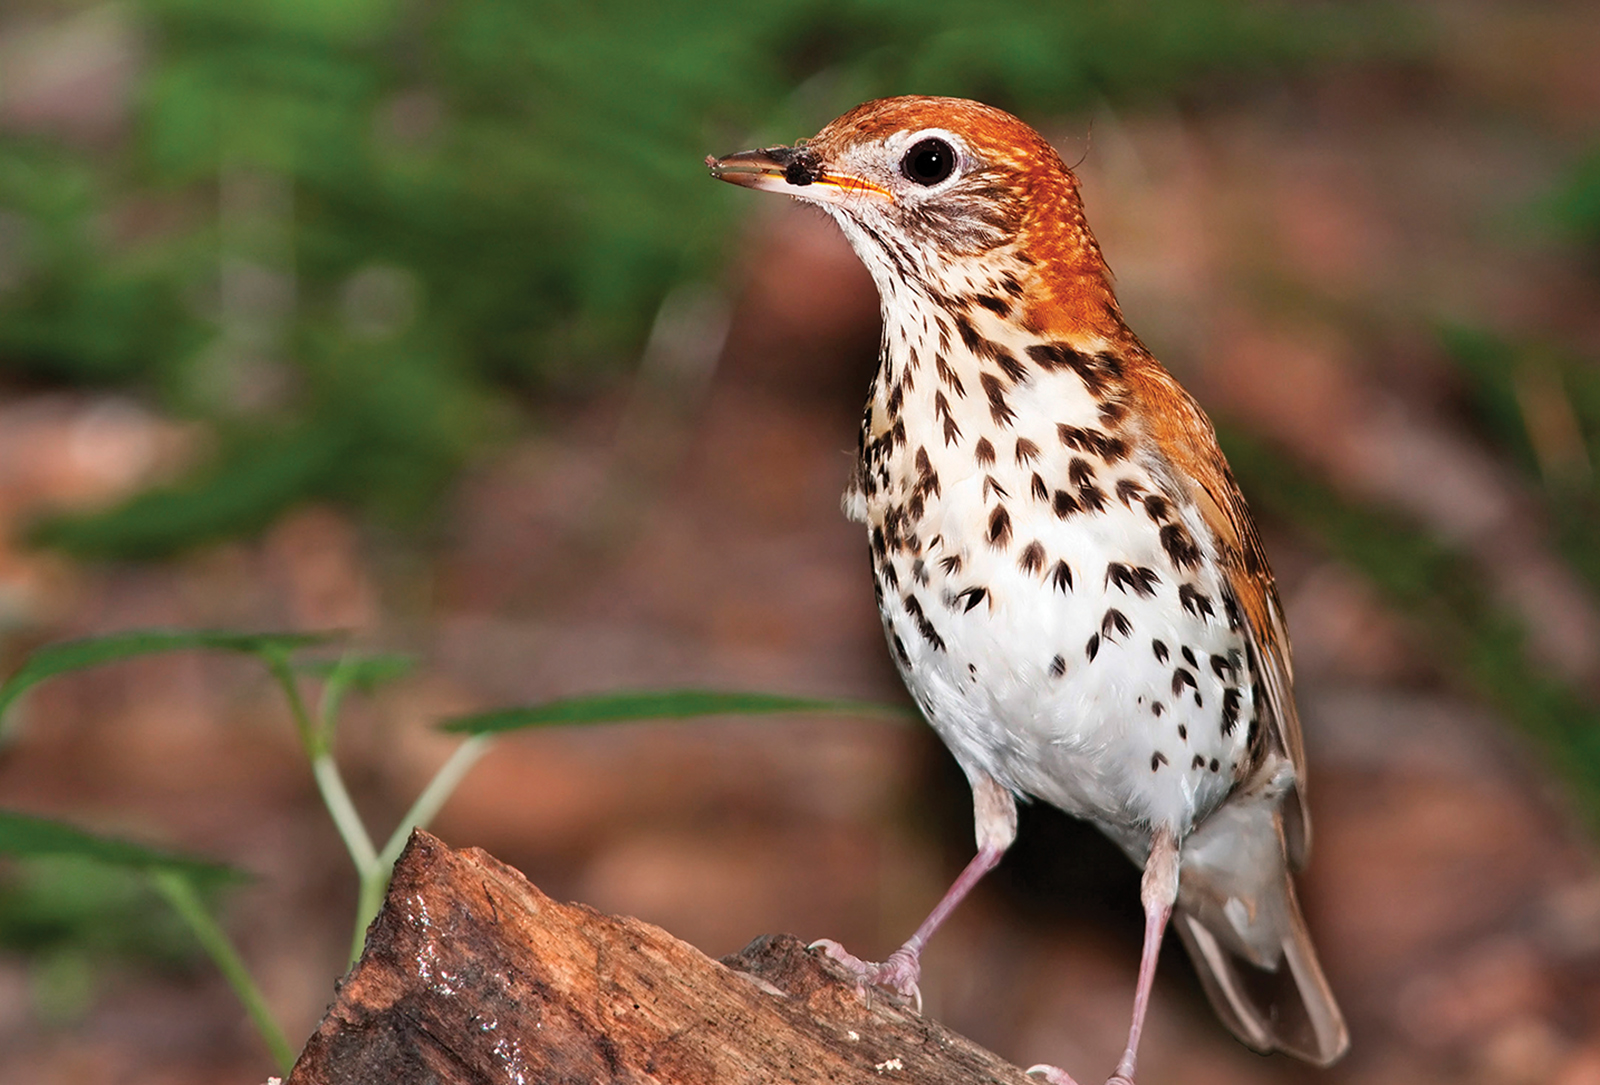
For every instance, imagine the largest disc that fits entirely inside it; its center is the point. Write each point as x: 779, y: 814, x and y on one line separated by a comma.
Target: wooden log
x: 470, y: 974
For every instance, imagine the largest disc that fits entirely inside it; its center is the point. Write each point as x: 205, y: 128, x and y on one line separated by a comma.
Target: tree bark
x: 470, y: 974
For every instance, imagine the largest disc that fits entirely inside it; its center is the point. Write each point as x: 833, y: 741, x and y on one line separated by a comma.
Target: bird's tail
x: 1238, y: 916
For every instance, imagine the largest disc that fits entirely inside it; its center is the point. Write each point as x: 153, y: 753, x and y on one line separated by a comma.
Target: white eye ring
x: 929, y: 161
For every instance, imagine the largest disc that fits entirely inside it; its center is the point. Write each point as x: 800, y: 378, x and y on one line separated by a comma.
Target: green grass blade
x: 26, y: 836
x: 180, y: 893
x: 365, y: 673
x: 658, y: 705
x: 77, y: 655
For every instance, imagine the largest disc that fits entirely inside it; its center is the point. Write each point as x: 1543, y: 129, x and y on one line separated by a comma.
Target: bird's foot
x: 1054, y: 1075
x: 898, y: 974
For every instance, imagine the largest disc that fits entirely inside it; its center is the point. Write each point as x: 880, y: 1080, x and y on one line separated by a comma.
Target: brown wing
x: 1185, y: 435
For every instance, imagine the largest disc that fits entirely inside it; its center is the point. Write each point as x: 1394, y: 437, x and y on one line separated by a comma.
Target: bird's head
x: 934, y: 190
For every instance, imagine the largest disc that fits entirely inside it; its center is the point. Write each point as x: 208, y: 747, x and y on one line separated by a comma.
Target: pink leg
x: 1158, y: 892
x: 995, y: 818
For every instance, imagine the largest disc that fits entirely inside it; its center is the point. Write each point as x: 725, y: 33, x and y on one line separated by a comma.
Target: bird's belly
x: 1075, y: 662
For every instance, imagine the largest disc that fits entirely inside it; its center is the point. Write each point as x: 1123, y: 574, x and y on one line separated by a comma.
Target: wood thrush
x: 1069, y: 580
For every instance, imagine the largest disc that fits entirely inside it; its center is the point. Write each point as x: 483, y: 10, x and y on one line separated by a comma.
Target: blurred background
x: 423, y: 321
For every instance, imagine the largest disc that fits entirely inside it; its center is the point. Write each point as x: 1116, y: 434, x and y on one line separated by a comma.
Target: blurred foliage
x: 1577, y: 205
x: 353, y: 236
x: 1541, y: 407
x: 71, y: 915
x: 1446, y: 598
x: 51, y: 904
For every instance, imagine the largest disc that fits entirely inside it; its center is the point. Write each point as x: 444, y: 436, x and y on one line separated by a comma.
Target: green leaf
x: 26, y: 836
x: 365, y: 673
x: 658, y: 705
x: 77, y: 655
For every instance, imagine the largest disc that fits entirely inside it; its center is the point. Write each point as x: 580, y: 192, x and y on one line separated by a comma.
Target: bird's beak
x: 795, y: 171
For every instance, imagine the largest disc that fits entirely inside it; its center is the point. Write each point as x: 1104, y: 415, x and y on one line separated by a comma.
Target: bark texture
x: 471, y: 974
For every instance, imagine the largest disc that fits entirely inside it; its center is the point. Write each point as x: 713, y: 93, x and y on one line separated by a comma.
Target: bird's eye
x: 929, y: 161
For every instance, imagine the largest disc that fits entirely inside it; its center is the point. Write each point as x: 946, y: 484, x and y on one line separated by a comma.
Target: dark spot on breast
x: 900, y: 650
x: 1064, y: 504
x: 999, y: 526
x: 1232, y: 610
x: 949, y: 376
x: 924, y: 626
x: 984, y: 451
x: 1180, y: 547
x: 1230, y: 710
x: 993, y: 304
x: 1092, y: 498
x: 974, y: 340
x: 1061, y: 576
x: 1160, y: 649
x: 1092, y: 648
x: 1112, y: 413
x: 1058, y: 666
x: 989, y: 484
x: 1199, y: 762
x: 1180, y: 678
x: 1157, y: 759
x: 973, y: 597
x: 1214, y: 765
x: 1139, y: 578
x: 1157, y: 707
x: 1079, y: 473
x: 1009, y: 365
x: 1221, y: 667
x: 890, y: 576
x: 1195, y: 601
x: 950, y: 563
x: 1053, y: 356
x: 1041, y: 492
x: 1027, y: 451
x: 999, y: 410
x: 1128, y: 491
x: 1188, y: 657
x: 1155, y: 507
x: 1032, y: 559
x: 952, y: 432
x: 1110, y: 449
x: 1183, y: 732
x: 1115, y: 622
x: 970, y: 334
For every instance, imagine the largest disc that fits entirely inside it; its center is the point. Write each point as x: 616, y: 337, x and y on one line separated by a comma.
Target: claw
x: 898, y: 974
x: 1054, y: 1075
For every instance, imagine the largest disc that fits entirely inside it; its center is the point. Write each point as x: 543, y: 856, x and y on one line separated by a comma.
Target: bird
x: 1071, y: 585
